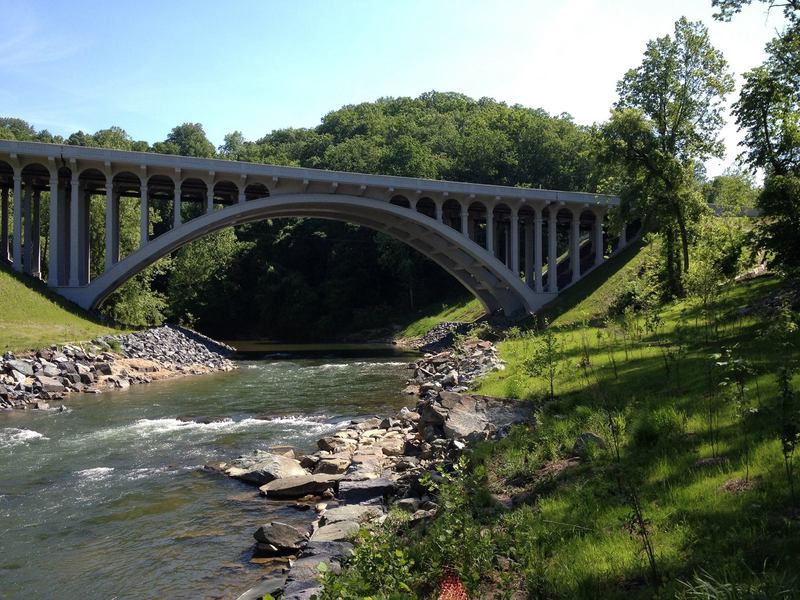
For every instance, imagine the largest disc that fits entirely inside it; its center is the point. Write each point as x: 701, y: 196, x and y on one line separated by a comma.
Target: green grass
x: 31, y: 317
x: 568, y: 539
x: 465, y: 310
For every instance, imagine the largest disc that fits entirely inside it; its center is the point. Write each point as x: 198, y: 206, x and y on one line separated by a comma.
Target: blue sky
x: 260, y: 65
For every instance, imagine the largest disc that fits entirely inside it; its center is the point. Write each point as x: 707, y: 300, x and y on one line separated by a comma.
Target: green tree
x: 668, y: 119
x: 188, y: 139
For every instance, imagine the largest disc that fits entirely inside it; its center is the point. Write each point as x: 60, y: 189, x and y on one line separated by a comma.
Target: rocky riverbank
x: 369, y: 465
x: 106, y: 363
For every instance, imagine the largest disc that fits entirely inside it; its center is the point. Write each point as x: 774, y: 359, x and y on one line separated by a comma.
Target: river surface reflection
x: 108, y: 499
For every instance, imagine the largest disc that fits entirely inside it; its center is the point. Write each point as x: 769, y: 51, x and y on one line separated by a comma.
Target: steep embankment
x: 31, y: 317
x: 656, y: 469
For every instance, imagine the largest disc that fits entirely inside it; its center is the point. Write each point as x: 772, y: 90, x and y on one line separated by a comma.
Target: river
x: 108, y: 499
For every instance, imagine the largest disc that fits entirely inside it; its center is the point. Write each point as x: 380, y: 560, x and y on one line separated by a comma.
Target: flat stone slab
x: 265, y: 467
x: 335, y: 532
x: 364, y: 490
x: 307, y: 567
x: 271, y: 586
x: 295, y: 487
x: 338, y: 550
x: 301, y: 590
x: 282, y: 537
x: 357, y: 513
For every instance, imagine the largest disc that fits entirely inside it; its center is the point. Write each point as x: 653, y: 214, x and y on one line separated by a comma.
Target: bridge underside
x: 485, y: 277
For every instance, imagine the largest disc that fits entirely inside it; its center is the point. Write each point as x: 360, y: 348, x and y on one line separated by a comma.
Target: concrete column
x: 4, y: 250
x: 54, y: 244
x: 74, y: 232
x: 242, y: 197
x: 552, y: 248
x: 465, y: 222
x: 17, y: 243
x: 176, y: 206
x: 112, y: 224
x: 515, y: 242
x: 210, y: 198
x: 36, y: 240
x: 439, y: 208
x: 144, y: 220
x: 623, y: 237
x: 490, y: 230
x: 83, y: 246
x: 574, y: 247
x: 64, y: 211
x: 598, y: 239
x: 537, y: 250
x: 528, y: 240
x: 27, y: 226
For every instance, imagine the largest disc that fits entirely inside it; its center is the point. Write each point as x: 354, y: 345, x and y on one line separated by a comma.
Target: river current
x: 108, y: 499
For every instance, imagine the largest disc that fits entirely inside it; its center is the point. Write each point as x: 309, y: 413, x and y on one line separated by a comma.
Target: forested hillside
x: 301, y: 278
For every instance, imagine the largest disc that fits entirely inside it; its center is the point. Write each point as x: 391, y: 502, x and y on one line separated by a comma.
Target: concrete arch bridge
x: 514, y: 249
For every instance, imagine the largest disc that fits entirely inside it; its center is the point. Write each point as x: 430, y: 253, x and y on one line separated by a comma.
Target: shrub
x: 658, y: 426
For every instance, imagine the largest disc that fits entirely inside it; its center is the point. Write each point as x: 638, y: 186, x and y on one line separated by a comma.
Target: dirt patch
x: 734, y: 486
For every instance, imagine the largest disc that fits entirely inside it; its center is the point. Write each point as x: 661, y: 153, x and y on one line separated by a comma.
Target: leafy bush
x: 658, y: 426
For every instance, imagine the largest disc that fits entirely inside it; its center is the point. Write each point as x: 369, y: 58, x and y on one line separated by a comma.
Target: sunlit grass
x: 465, y: 310
x: 32, y: 318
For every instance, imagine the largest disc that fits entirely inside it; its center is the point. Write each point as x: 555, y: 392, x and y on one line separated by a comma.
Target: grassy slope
x: 31, y: 317
x: 463, y: 310
x: 585, y: 552
x: 569, y: 540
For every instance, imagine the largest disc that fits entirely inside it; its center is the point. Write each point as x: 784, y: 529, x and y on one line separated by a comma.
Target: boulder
x: 332, y: 465
x: 271, y: 585
x: 335, y: 532
x: 358, y: 513
x: 302, y: 485
x: 586, y: 439
x: 281, y: 538
x: 307, y: 567
x: 302, y: 590
x: 49, y: 384
x: 21, y: 366
x: 365, y: 489
x: 264, y: 467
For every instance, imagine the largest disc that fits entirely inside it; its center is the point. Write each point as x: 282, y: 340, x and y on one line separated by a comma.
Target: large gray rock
x: 270, y: 585
x: 302, y: 590
x: 48, y: 384
x: 263, y: 467
x: 21, y: 366
x: 307, y: 567
x: 335, y: 532
x: 359, y: 513
x: 280, y: 537
x: 365, y: 490
x: 295, y: 487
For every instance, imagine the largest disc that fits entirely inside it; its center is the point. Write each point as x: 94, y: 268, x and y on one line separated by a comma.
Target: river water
x: 108, y: 499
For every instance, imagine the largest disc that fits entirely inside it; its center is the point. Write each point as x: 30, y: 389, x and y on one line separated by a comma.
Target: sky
x: 260, y: 65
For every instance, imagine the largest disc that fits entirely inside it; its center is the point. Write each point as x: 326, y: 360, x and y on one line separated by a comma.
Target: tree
x: 188, y: 139
x: 731, y: 193
x: 668, y: 119
x: 728, y: 8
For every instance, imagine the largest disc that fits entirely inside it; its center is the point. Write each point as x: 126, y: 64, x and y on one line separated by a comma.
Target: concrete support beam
x: 490, y: 231
x: 17, y: 234
x: 537, y: 250
x: 438, y: 211
x: 55, y: 241
x: 177, y: 218
x: 552, y: 249
x: 623, y: 238
x: 5, y: 254
x: 35, y: 239
x: 514, y: 240
x: 597, y: 240
x: 84, y: 255
x: 144, y: 217
x: 112, y: 224
x: 27, y: 226
x: 210, y: 198
x: 74, y: 232
x: 528, y: 242
x: 465, y: 222
x: 574, y: 246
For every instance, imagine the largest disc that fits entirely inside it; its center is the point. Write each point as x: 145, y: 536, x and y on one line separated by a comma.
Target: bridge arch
x: 484, y: 276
